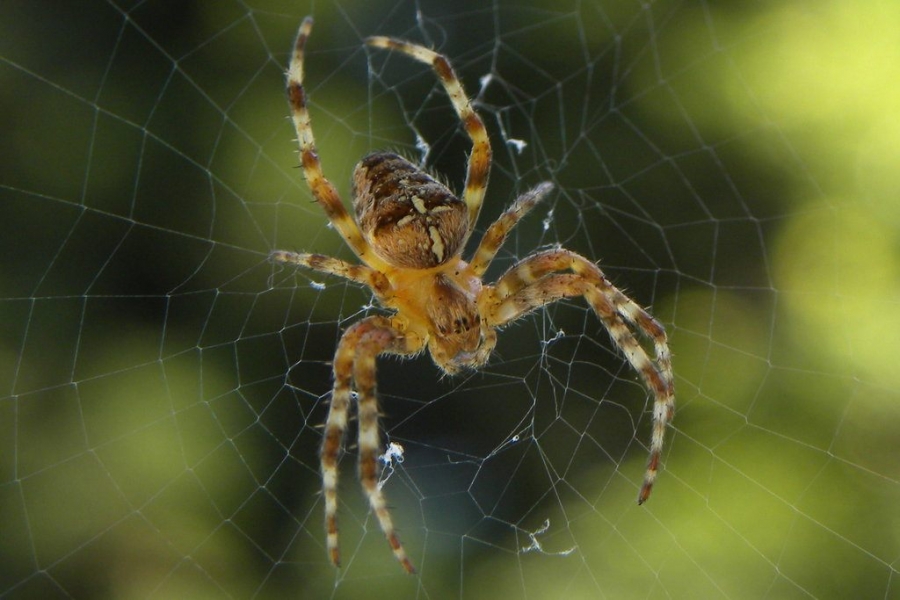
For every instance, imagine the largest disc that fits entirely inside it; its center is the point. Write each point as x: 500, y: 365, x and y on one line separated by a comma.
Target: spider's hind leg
x: 322, y: 189
x: 479, y: 166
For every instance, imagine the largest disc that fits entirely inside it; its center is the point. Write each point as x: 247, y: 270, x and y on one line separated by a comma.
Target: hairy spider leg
x: 479, y: 166
x: 322, y: 189
x: 498, y: 231
x: 528, y: 285
x: 322, y: 263
x: 354, y: 363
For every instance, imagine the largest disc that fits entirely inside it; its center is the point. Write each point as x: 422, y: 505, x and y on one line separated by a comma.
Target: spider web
x: 162, y: 384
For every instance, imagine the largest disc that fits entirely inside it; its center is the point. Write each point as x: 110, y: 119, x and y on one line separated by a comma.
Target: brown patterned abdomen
x: 410, y: 219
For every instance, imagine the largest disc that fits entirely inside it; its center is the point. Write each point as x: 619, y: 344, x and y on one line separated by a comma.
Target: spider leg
x: 479, y: 166
x: 334, y: 266
x: 322, y: 189
x: 496, y: 234
x: 355, y: 360
x: 529, y: 285
x: 332, y: 441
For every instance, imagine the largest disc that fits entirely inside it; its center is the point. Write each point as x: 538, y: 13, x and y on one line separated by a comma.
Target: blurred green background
x: 732, y: 165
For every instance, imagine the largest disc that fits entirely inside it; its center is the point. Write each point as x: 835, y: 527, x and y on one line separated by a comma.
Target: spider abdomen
x: 410, y: 219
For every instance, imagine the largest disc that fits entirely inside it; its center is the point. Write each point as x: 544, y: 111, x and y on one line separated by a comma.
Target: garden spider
x: 409, y: 232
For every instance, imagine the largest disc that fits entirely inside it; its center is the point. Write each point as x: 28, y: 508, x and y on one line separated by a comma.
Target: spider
x: 409, y: 233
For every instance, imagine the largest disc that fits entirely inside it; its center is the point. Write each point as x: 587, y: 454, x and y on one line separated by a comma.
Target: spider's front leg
x: 536, y: 281
x: 354, y: 362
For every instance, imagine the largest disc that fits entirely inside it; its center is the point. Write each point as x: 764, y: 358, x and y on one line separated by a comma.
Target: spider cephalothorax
x: 409, y: 232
